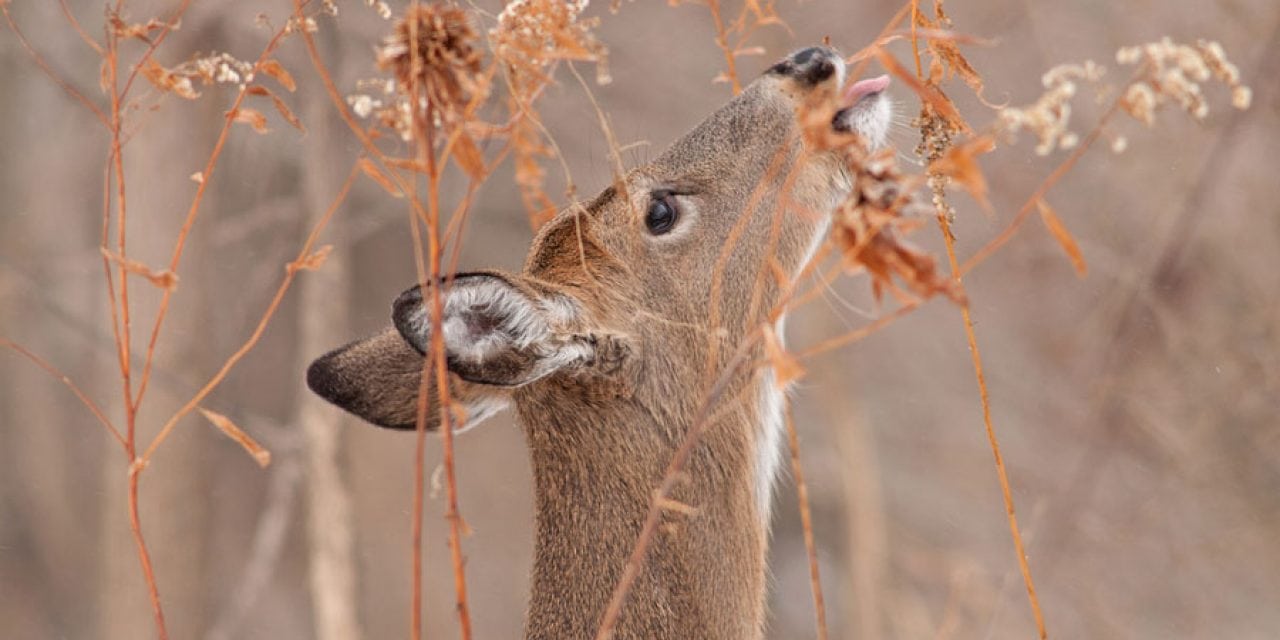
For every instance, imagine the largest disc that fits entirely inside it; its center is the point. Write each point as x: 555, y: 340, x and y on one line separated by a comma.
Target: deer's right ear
x: 378, y: 379
x: 496, y: 330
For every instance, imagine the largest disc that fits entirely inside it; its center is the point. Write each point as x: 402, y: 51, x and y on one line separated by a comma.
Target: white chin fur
x: 871, y: 118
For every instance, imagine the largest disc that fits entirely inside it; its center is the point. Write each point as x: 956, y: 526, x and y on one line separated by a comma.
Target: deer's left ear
x: 496, y: 331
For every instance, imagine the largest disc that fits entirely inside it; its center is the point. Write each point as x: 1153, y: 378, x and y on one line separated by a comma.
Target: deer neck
x: 595, y: 464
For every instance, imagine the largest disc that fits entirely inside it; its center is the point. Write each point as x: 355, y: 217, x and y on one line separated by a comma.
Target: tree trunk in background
x: 322, y: 323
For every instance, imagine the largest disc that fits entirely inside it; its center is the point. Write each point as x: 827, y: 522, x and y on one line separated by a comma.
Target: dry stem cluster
x: 439, y: 80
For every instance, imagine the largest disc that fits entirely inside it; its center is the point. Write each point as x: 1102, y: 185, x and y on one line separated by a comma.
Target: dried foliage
x: 437, y: 84
x: 433, y: 55
x: 531, y: 37
x: 870, y: 229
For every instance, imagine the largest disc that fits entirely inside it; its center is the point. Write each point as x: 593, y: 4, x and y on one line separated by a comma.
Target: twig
x: 1030, y: 205
x: 62, y: 377
x: 248, y: 345
x: 48, y: 71
x: 670, y: 477
x: 806, y: 521
x: 193, y: 212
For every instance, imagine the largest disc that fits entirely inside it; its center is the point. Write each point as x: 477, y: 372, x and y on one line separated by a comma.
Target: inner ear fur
x: 496, y: 330
x: 378, y: 379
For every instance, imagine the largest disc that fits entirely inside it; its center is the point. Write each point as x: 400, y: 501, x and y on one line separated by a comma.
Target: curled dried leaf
x: 467, y: 155
x: 1060, y: 233
x: 376, y: 174
x: 311, y: 261
x: 229, y: 428
x: 162, y: 278
x: 168, y: 81
x: 960, y: 164
x: 251, y: 117
x: 870, y: 227
x: 786, y: 369
x: 274, y: 69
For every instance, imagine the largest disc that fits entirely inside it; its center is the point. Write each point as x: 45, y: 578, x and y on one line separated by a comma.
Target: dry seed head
x: 1049, y: 116
x: 1174, y: 72
x: 533, y: 34
x: 301, y: 25
x: 432, y: 51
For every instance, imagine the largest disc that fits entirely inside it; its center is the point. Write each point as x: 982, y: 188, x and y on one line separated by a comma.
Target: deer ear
x: 378, y: 379
x: 495, y: 332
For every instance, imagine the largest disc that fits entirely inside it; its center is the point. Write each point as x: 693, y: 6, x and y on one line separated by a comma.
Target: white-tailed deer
x: 604, y: 349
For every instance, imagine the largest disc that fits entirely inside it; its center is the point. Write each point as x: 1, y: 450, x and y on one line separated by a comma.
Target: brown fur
x: 631, y: 346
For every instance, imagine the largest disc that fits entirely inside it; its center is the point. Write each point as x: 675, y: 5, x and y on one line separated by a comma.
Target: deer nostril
x: 803, y: 57
x: 810, y: 66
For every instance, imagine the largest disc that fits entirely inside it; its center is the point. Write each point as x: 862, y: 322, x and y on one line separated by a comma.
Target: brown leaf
x: 932, y: 95
x: 785, y: 367
x: 311, y: 261
x: 407, y: 164
x: 370, y: 169
x: 960, y: 164
x: 168, y: 81
x: 224, y: 424
x: 251, y: 117
x: 467, y: 155
x: 285, y: 113
x: 162, y: 278
x: 275, y: 70
x: 1063, y: 236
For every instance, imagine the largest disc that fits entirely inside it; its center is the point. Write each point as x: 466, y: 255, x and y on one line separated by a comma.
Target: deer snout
x: 812, y: 66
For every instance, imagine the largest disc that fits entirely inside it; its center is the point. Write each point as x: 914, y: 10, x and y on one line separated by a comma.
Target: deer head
x: 627, y: 307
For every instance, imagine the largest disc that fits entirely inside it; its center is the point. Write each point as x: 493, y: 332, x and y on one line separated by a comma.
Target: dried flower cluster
x: 1174, y: 72
x: 1049, y: 116
x: 533, y: 34
x: 433, y: 56
x: 1167, y: 72
x: 217, y: 68
x: 529, y: 38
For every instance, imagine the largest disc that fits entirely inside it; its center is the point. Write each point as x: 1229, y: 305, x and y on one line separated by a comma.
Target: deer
x: 602, y: 346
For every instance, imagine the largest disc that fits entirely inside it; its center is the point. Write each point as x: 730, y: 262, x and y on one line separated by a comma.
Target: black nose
x: 810, y: 66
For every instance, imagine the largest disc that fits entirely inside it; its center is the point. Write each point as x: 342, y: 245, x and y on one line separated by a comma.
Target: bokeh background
x: 1138, y: 408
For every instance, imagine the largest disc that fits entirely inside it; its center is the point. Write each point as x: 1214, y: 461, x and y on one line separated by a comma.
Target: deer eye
x: 662, y: 214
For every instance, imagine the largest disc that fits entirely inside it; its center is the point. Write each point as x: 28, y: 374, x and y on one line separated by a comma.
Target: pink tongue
x: 861, y: 88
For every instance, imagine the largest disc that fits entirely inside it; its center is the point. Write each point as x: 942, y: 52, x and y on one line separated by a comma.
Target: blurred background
x: 1138, y: 408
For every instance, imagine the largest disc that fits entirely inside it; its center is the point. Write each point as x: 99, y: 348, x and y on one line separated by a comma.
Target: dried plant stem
x: 835, y: 342
x: 722, y: 41
x: 261, y: 327
x: 670, y: 477
x: 53, y: 371
x: 806, y: 521
x: 423, y: 134
x: 193, y: 212
x: 48, y: 71
x: 1030, y: 205
x: 1006, y: 492
x: 79, y: 29
x: 144, y: 556
x: 115, y: 168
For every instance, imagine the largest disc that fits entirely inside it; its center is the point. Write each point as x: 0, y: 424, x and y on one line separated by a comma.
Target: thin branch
x: 193, y: 212
x: 806, y: 521
x: 53, y: 75
x: 64, y: 379
x: 670, y: 478
x: 1030, y: 205
x: 75, y: 24
x: 248, y: 345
